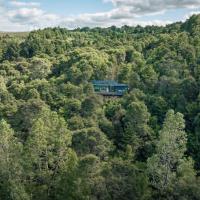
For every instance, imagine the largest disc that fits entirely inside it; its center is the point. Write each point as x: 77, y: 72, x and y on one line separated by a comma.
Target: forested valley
x: 59, y: 140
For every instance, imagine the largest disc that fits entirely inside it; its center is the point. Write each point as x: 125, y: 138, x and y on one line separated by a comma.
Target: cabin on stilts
x: 109, y: 88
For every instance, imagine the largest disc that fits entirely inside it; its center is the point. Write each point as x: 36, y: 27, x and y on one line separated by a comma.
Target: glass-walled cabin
x: 110, y: 88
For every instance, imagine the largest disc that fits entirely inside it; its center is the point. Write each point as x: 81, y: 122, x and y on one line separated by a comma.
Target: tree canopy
x: 60, y: 140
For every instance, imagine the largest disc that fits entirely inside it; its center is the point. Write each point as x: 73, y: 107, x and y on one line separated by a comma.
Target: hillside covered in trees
x: 61, y: 141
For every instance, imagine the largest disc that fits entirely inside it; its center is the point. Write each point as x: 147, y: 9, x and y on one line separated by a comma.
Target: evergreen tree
x: 164, y: 165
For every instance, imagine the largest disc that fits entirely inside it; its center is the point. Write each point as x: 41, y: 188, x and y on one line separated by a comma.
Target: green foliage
x: 60, y: 140
x: 39, y: 68
x: 48, y: 154
x: 91, y: 141
x: 12, y: 182
x: 168, y: 166
x: 137, y: 132
x: 133, y: 185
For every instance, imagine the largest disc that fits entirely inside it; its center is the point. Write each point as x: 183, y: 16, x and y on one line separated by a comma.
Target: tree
x: 2, y: 84
x: 187, y: 183
x: 125, y: 181
x: 11, y: 171
x: 26, y: 114
x: 194, y: 141
x: 39, y: 68
x: 137, y: 132
x: 91, y: 183
x: 48, y: 154
x: 163, y: 166
x: 90, y: 105
x: 12, y: 51
x: 91, y: 141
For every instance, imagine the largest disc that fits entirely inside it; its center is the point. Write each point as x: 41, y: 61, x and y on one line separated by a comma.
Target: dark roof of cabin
x: 107, y: 82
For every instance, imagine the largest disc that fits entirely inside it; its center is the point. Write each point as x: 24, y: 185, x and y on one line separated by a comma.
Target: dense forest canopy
x: 60, y: 140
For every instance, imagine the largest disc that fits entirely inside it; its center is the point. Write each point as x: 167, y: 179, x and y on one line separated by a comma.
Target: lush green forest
x: 61, y: 141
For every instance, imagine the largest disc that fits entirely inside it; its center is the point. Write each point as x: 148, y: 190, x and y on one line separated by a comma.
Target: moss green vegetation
x: 62, y: 141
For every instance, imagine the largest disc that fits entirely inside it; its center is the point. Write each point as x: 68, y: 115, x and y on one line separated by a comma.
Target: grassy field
x: 14, y: 34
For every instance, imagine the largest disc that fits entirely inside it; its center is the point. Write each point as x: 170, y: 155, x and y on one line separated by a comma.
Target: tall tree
x: 138, y: 134
x: 48, y: 154
x: 11, y: 171
x: 170, y: 149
